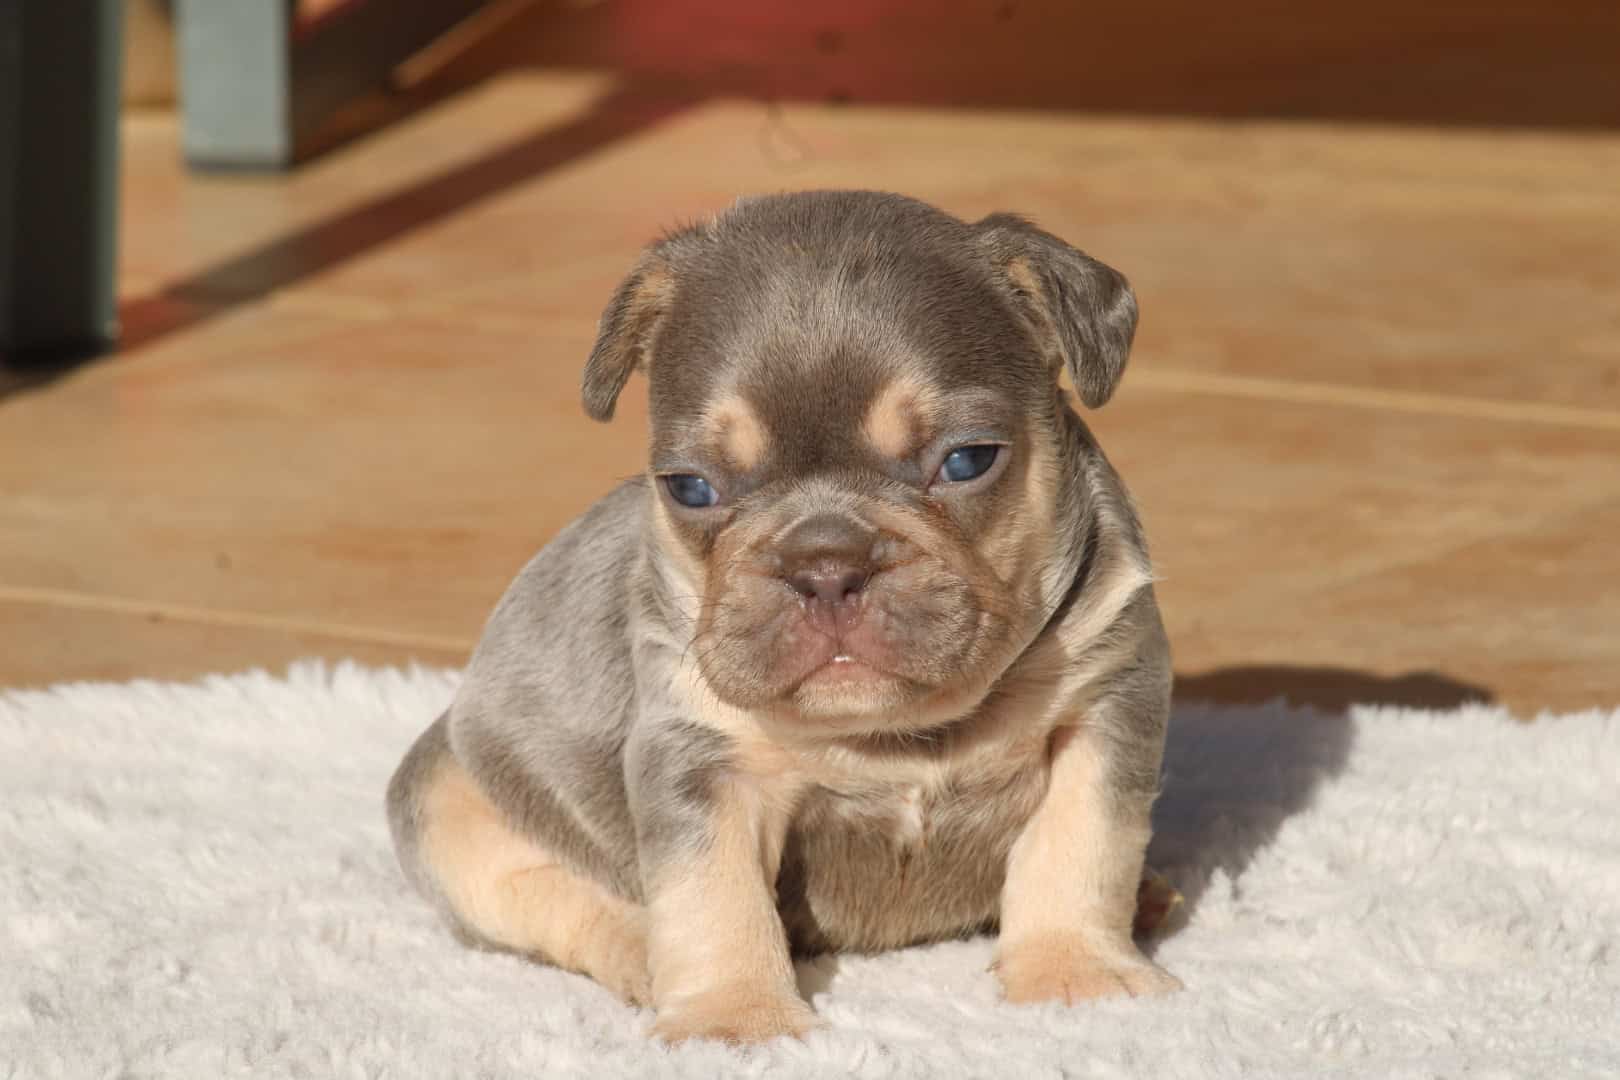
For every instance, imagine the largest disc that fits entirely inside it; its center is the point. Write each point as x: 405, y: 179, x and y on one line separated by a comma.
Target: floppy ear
x: 1084, y: 311
x: 626, y: 333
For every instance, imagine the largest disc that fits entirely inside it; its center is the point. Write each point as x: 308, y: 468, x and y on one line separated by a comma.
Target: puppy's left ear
x: 627, y: 333
x: 1082, y: 310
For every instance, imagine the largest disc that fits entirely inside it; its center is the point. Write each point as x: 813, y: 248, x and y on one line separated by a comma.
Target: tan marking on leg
x: 898, y: 420
x: 1070, y: 896
x: 516, y: 895
x: 716, y: 946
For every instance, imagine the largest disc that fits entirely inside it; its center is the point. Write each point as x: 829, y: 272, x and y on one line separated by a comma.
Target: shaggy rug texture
x: 196, y: 881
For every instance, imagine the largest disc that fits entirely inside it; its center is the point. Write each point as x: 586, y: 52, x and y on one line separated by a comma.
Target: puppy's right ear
x: 1084, y: 310
x: 627, y: 330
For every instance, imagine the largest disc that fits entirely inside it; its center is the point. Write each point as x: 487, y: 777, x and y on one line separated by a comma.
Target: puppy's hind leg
x: 500, y: 887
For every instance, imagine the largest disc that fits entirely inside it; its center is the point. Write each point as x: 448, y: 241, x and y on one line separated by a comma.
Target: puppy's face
x: 856, y: 454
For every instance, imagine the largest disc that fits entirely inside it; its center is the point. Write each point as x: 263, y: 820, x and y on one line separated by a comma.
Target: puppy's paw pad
x: 735, y: 1018
x: 1069, y: 972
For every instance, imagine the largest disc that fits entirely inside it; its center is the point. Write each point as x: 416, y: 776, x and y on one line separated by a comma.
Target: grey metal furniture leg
x: 60, y: 66
x: 256, y: 85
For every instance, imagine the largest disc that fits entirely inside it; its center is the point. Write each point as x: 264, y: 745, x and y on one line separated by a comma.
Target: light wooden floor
x: 1373, y: 419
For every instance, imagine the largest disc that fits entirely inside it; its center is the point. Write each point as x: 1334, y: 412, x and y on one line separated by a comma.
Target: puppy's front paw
x: 623, y: 967
x: 1068, y: 969
x: 735, y: 1015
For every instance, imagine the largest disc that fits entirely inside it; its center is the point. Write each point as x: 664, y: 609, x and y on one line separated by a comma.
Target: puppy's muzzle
x: 829, y: 560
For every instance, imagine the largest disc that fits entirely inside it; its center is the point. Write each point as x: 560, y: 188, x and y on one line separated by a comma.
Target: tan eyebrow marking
x: 734, y: 429
x: 897, y: 420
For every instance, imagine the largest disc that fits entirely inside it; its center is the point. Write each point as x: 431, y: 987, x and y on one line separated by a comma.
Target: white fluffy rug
x: 196, y: 881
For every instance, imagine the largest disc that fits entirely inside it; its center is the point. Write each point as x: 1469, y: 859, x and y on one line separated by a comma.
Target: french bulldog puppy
x: 869, y: 657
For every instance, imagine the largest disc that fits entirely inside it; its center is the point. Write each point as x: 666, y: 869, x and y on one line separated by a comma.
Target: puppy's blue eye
x: 691, y: 490
x: 967, y: 462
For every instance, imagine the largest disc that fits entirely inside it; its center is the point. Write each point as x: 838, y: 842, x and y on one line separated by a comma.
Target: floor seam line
x: 119, y: 605
x: 1370, y: 398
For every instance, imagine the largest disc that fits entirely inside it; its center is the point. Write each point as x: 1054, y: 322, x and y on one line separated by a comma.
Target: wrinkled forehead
x: 801, y: 369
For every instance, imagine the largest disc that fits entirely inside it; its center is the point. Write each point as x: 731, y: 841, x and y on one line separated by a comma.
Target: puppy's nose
x: 827, y: 559
x: 831, y: 583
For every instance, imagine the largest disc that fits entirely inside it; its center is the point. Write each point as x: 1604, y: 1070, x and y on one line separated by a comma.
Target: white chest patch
x: 910, y: 819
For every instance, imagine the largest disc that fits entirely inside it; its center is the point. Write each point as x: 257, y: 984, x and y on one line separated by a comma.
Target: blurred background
x: 293, y: 301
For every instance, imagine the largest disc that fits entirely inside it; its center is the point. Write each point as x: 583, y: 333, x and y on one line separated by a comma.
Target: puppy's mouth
x: 843, y: 668
x: 845, y: 688
x: 844, y: 642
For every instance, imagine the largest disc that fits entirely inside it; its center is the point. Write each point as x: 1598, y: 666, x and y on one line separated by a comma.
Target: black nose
x: 827, y: 558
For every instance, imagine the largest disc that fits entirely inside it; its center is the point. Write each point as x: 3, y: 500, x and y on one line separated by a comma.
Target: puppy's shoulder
x: 558, y: 638
x: 582, y: 573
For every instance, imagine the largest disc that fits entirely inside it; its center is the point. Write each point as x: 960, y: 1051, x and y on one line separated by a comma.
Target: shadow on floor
x: 622, y: 112
x: 1250, y: 747
x: 815, y: 974
x: 16, y: 378
x: 619, y: 114
x: 35, y: 369
x: 1327, y: 687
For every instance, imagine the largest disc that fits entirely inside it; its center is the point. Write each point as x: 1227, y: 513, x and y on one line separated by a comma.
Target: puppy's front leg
x: 710, y: 842
x: 1070, y: 896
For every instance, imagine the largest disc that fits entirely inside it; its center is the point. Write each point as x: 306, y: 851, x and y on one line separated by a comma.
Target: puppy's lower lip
x: 844, y: 666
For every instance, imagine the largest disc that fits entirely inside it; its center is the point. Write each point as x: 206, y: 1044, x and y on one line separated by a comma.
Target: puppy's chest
x: 885, y: 860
